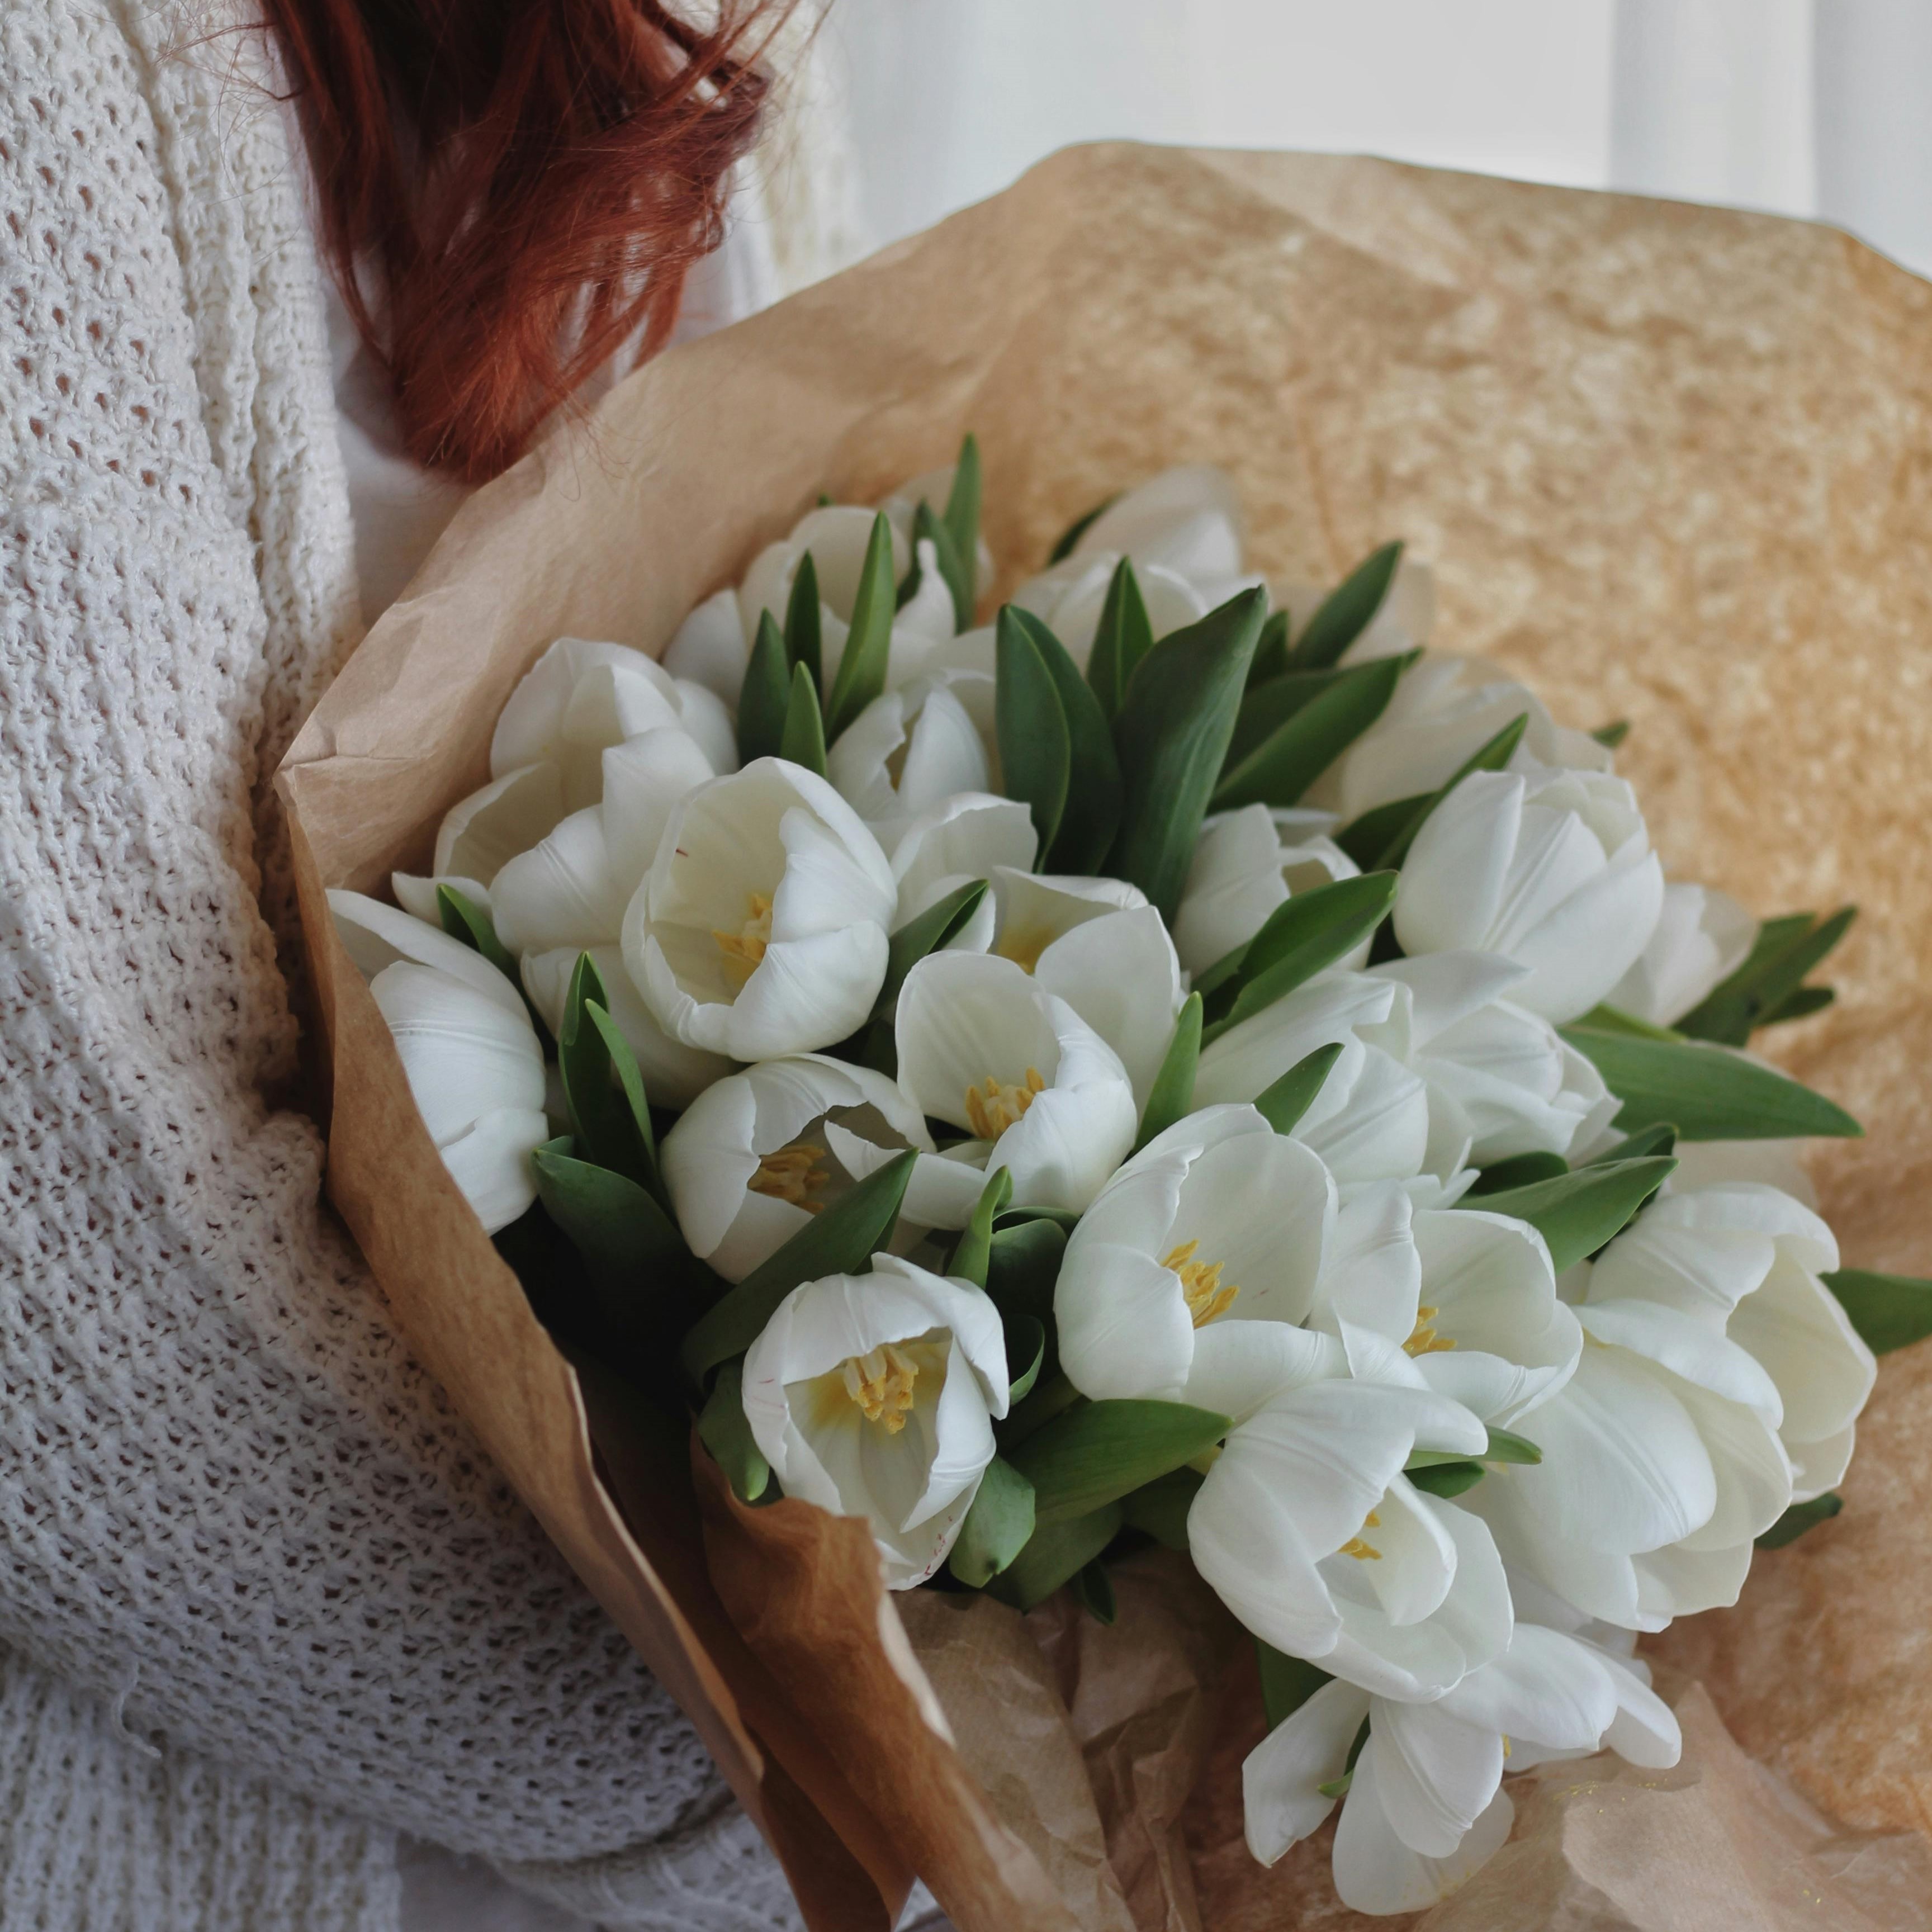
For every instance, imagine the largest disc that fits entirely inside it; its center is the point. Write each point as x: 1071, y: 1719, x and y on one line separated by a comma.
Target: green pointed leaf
x: 1063, y: 545
x: 1053, y: 1395
x: 1518, y: 1171
x: 1661, y: 1138
x: 1269, y: 705
x: 1706, y: 1093
x: 1492, y: 757
x: 1891, y: 1311
x: 1036, y: 743
x: 1347, y: 611
x: 1172, y: 1096
x: 1093, y: 1590
x: 1287, y: 1682
x: 1270, y: 660
x: 1026, y: 1352
x: 1447, y: 1479
x: 1576, y: 1213
x: 929, y: 931
x: 1611, y: 735
x: 1282, y: 1105
x: 1800, y: 1005
x: 603, y: 1089
x: 1605, y: 1018
x: 1338, y: 1787
x: 764, y: 695
x: 927, y: 528
x: 803, y: 641
x: 869, y: 645
x: 1094, y: 1455
x: 962, y: 527
x: 973, y: 1252
x: 1091, y: 810
x: 723, y: 1429
x: 1022, y: 1266
x: 613, y: 1223
x: 1800, y: 1517
x: 1772, y: 978
x: 802, y: 740
x: 841, y: 1240
x: 1505, y: 1447
x: 1300, y: 937
x: 996, y: 1526
x: 1366, y: 838
x: 1172, y: 734
x: 464, y: 919
x: 1160, y: 1510
x: 1311, y: 738
x: 1055, y: 1554
x: 1124, y: 636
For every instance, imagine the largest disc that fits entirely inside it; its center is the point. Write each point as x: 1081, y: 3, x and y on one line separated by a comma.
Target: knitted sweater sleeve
x: 231, y: 1507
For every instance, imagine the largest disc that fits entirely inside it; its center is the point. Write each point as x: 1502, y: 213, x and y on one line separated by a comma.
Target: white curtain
x: 1806, y: 106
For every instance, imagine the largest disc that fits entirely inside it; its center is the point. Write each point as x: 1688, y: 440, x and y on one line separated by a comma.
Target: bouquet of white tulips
x: 1183, y: 1063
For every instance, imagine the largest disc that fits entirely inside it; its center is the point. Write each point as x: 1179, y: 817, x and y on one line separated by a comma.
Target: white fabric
x: 238, y: 1527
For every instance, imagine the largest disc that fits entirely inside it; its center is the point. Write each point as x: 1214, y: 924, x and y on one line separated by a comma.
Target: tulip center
x: 1364, y: 1552
x: 792, y: 1174
x: 1023, y: 947
x: 1423, y: 1339
x: 744, y: 949
x: 881, y: 1384
x: 991, y: 1109
x: 1201, y: 1285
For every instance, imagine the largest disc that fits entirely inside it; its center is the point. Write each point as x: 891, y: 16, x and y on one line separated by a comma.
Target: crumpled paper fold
x: 1673, y: 465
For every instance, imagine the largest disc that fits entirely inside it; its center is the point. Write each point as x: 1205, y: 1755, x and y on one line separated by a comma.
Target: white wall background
x: 1805, y: 106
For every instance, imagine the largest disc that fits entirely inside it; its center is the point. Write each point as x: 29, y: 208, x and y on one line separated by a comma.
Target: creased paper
x: 1672, y: 464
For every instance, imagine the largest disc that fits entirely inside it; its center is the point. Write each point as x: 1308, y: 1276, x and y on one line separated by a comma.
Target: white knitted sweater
x: 238, y: 1528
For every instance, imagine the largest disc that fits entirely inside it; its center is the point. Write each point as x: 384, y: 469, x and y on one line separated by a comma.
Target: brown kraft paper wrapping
x: 1672, y: 464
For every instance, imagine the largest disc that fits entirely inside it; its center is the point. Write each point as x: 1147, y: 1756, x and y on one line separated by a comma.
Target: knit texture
x: 230, y: 1504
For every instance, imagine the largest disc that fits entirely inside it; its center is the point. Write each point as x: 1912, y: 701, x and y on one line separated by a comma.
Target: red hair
x: 509, y: 189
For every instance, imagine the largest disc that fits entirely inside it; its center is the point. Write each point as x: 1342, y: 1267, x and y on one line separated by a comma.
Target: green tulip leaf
x: 723, y: 1429
x: 962, y: 524
x: 1491, y: 756
x: 1054, y: 1555
x: 1093, y: 1589
x: 1172, y: 1096
x: 803, y: 628
x: 1299, y: 938
x: 869, y: 645
x: 1522, y: 1170
x: 996, y: 1527
x: 464, y: 919
x: 973, y: 1251
x: 1172, y: 734
x: 765, y: 695
x: 1124, y: 636
x: 927, y: 527
x: 1611, y: 735
x: 929, y: 931
x: 1270, y: 659
x: 603, y: 1088
x: 1287, y: 1682
x: 1707, y: 1093
x: 803, y: 740
x: 1160, y: 1509
x: 1890, y: 1311
x: 1282, y: 1104
x: 1347, y: 611
x: 1447, y: 1479
x: 1800, y: 1517
x: 1026, y: 1352
x: 1575, y: 1214
x: 1062, y: 545
x: 1089, y: 810
x: 1036, y: 742
x: 1769, y: 988
x: 1095, y: 1454
x: 1310, y: 737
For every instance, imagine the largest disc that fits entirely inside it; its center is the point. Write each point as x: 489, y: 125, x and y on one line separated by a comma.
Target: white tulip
x: 969, y: 836
x: 1702, y: 936
x: 1097, y: 944
x: 375, y: 936
x: 1188, y: 1278
x: 417, y: 896
x: 1553, y: 871
x: 481, y: 834
x: 1372, y: 1120
x: 711, y: 648
x: 1187, y: 520
x: 756, y: 1156
x: 1662, y: 1455
x: 1495, y: 1072
x: 1308, y: 1530
x: 674, y: 1075
x: 874, y: 1396
x: 913, y: 748
x: 582, y: 696
x: 1696, y: 1250
x: 475, y: 1070
x: 761, y: 927
x: 1247, y: 864
x: 1068, y: 598
x: 1444, y: 709
x: 983, y: 1046
x: 1424, y: 1806
x: 646, y: 778
x: 1457, y: 1300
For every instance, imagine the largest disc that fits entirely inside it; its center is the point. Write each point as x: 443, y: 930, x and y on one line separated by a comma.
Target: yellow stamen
x: 1365, y: 1552
x: 1506, y: 1747
x: 746, y: 948
x: 1200, y: 1284
x: 792, y: 1175
x: 992, y: 1109
x: 1423, y: 1340
x: 881, y: 1384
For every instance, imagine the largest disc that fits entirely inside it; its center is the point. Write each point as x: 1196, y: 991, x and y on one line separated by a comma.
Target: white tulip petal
x: 645, y: 779
x: 508, y: 815
x: 1238, y: 1366
x: 1375, y: 1872
x: 1187, y: 519
x: 711, y: 647
x: 1754, y: 1473
x: 1069, y: 1142
x: 463, y: 1053
x: 1681, y: 1582
x: 965, y: 1018
x: 1548, y: 1688
x: 1281, y: 1777
x: 376, y: 936
x: 1378, y: 1130
x: 1454, y: 878
x: 1373, y: 1276
x: 490, y: 1161
x: 1702, y: 937
x: 1600, y: 1582
x: 969, y: 836
x: 1436, y: 1775
x: 1577, y: 953
x: 1645, y: 1730
x: 1120, y: 974
x: 1248, y: 1059
x: 1685, y: 1347
x: 1819, y: 1465
x: 564, y: 892
x: 418, y: 897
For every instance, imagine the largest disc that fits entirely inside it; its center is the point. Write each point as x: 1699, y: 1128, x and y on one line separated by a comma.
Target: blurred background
x: 1805, y: 107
